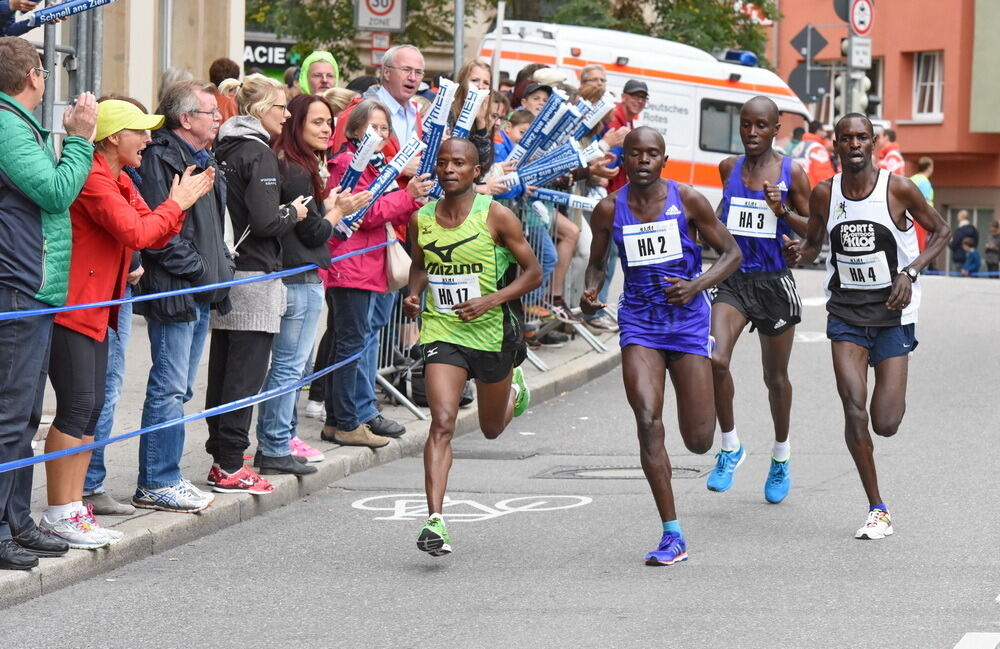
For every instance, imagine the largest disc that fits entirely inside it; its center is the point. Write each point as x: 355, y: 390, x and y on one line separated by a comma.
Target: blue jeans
x: 289, y: 354
x: 117, y: 342
x: 24, y: 361
x: 176, y: 349
x: 350, y: 395
x: 545, y: 249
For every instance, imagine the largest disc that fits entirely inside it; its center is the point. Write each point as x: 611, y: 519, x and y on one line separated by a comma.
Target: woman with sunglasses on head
x: 241, y: 339
x: 301, y: 149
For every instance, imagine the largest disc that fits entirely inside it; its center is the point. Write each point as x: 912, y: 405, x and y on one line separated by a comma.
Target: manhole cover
x: 616, y: 472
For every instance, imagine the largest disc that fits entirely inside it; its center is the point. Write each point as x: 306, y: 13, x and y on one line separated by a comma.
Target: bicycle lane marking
x: 412, y: 507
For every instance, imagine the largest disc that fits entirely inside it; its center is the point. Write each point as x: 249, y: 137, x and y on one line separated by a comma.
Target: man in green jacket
x: 36, y: 191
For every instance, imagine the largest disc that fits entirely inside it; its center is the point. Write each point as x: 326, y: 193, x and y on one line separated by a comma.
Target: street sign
x: 810, y: 84
x: 842, y: 8
x: 380, y: 43
x: 862, y: 16
x: 859, y: 52
x: 380, y: 15
x: 809, y: 42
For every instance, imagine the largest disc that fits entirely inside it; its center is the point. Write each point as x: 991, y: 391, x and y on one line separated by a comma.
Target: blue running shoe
x: 726, y: 462
x: 778, y: 482
x: 672, y: 549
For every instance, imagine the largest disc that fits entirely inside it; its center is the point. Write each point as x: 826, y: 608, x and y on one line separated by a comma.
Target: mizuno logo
x: 445, y: 252
x: 673, y: 210
x: 432, y: 351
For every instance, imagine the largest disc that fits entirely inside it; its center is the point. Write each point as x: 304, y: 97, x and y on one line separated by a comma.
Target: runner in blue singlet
x: 765, y: 199
x: 663, y: 313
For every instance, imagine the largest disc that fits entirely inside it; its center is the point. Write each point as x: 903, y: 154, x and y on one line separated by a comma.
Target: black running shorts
x: 769, y: 299
x: 488, y: 367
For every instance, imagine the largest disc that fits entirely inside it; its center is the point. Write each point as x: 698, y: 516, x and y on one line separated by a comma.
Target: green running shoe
x: 523, y: 398
x: 433, y: 538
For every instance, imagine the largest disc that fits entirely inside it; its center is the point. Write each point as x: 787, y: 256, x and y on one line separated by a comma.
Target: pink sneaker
x: 302, y: 449
x: 244, y: 480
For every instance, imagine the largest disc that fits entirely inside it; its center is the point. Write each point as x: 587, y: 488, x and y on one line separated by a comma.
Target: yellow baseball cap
x: 115, y: 115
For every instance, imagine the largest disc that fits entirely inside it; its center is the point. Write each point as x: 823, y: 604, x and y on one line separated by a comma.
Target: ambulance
x: 694, y: 98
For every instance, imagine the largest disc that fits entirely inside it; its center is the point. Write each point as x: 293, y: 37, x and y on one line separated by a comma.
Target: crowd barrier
x: 217, y: 410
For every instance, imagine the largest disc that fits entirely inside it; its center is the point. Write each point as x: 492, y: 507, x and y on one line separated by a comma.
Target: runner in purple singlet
x: 664, y: 311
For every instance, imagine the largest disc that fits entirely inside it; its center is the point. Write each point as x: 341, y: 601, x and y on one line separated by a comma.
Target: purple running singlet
x: 651, y: 252
x: 752, y: 223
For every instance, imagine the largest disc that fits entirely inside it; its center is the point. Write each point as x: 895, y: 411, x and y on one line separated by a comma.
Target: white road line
x: 979, y: 641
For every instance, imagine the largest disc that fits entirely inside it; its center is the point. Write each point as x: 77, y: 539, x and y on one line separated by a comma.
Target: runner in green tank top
x: 466, y: 250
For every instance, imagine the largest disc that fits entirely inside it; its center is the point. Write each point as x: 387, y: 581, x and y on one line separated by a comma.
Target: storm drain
x: 616, y: 472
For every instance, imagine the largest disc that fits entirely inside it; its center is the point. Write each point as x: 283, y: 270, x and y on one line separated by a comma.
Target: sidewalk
x: 151, y: 532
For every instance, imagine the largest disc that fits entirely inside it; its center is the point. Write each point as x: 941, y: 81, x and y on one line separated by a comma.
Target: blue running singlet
x: 752, y: 223
x: 649, y: 253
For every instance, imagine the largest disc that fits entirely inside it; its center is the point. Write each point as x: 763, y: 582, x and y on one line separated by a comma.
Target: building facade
x: 935, y: 68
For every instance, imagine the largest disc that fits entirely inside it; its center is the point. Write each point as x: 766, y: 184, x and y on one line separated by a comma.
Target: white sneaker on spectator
x: 182, y: 498
x: 76, y: 531
x: 87, y: 514
x: 315, y: 410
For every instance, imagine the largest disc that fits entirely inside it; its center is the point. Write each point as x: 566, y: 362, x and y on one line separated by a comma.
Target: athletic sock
x: 436, y: 517
x: 730, y: 441
x: 672, y: 526
x: 781, y: 451
x: 879, y: 506
x: 61, y: 512
x: 516, y: 388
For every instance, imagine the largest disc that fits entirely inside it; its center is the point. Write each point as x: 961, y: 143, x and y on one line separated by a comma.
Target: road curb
x: 152, y: 532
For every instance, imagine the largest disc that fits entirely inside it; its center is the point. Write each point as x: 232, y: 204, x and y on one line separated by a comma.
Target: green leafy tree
x: 329, y: 24
x: 624, y: 16
x: 709, y: 25
x: 713, y: 25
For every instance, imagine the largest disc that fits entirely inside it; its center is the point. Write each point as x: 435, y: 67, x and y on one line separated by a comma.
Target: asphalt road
x: 544, y: 558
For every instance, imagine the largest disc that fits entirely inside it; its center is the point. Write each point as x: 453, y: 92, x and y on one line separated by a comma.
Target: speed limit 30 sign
x: 380, y: 15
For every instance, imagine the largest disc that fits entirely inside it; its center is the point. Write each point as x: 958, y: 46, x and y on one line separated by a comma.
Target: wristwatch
x: 785, y: 212
x: 910, y: 272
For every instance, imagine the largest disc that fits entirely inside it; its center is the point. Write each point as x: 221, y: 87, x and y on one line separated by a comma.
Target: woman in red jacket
x: 356, y: 291
x: 110, y: 220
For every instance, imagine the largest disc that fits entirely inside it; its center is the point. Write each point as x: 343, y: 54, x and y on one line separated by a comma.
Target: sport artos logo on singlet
x: 867, y: 251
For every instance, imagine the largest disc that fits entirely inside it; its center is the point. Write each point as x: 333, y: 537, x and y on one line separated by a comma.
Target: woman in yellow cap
x: 110, y: 220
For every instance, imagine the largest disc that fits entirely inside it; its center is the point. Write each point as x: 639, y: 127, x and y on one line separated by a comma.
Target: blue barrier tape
x: 217, y: 410
x: 13, y: 315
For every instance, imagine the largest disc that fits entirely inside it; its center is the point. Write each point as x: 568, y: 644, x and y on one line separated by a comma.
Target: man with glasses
x: 35, y: 194
x: 177, y: 326
x: 402, y: 72
x: 634, y: 98
x: 319, y: 73
x: 594, y: 75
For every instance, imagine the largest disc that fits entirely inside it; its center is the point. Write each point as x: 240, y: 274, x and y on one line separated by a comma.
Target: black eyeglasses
x: 42, y: 72
x: 213, y: 113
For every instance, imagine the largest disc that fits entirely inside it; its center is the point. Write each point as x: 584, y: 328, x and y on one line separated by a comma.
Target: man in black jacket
x: 177, y: 326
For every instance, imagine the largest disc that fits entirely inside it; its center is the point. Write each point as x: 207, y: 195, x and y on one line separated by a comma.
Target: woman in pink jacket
x: 356, y: 292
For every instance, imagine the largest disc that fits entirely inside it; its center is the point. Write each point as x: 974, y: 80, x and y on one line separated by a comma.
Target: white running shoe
x: 878, y: 526
x: 76, y: 531
x: 182, y: 497
x: 114, y: 536
x: 315, y: 410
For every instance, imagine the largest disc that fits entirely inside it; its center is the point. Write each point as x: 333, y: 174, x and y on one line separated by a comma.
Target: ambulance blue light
x: 741, y: 57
